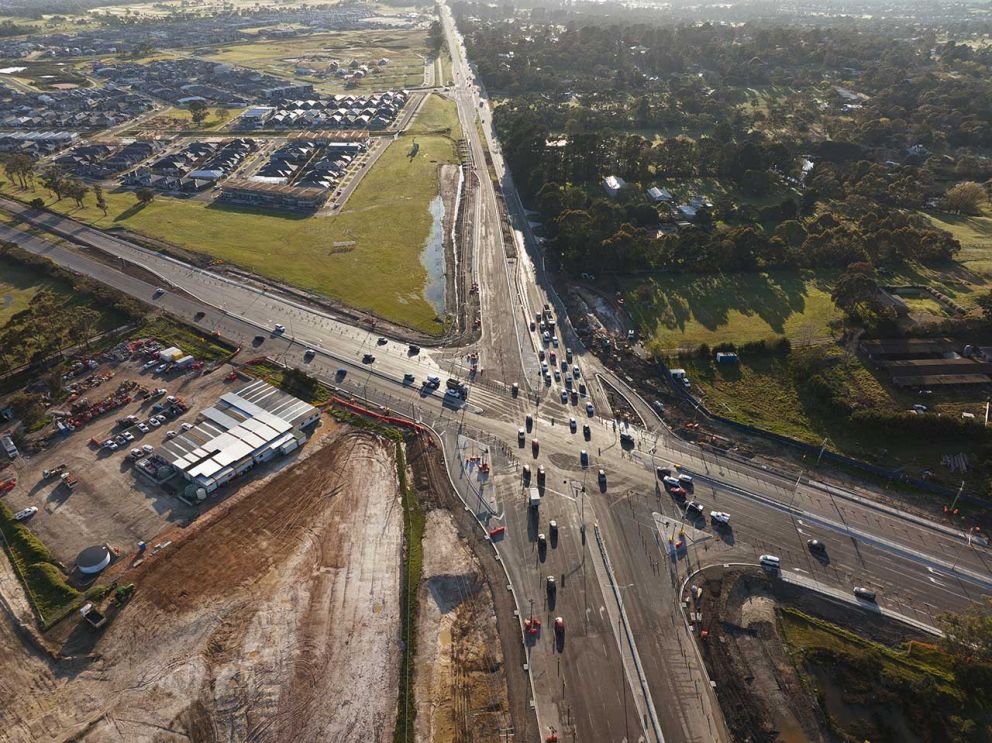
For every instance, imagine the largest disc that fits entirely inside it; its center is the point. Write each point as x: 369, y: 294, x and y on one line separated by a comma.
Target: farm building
x: 240, y: 430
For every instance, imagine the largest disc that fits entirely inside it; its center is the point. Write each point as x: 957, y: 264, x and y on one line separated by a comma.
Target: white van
x: 770, y: 562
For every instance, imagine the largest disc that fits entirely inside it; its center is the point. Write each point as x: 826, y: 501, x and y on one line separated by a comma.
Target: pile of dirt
x: 281, y: 599
x: 460, y: 689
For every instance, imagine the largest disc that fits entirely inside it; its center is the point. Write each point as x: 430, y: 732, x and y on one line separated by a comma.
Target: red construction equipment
x: 6, y: 487
x: 497, y: 532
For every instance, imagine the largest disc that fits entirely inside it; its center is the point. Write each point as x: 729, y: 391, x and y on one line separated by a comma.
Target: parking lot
x: 109, y: 501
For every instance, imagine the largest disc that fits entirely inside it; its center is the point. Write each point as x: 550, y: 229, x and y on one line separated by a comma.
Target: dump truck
x: 534, y: 498
x: 69, y: 479
x: 91, y: 615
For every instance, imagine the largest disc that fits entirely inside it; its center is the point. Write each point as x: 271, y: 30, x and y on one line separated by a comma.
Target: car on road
x: 158, y: 293
x: 575, y: 397
x: 602, y: 477
x: 586, y: 431
x: 368, y: 359
x: 678, y: 491
x: 546, y: 337
x: 553, y: 528
x: 529, y: 420
x: 557, y: 376
x: 540, y: 475
x: 26, y: 513
x: 408, y: 378
x: 584, y: 458
x: 572, y: 425
x: 535, y: 446
x: 864, y: 593
x: 544, y: 367
x: 695, y: 507
x: 550, y: 583
x: 258, y: 340
x: 433, y: 380
x: 514, y: 389
x: 309, y: 354
x: 525, y: 473
x: 771, y: 563
x: 533, y: 325
x: 720, y: 517
x: 563, y: 396
x: 670, y: 482
x: 341, y: 374
x: 575, y: 372
x: 662, y: 472
x: 542, y: 541
x: 559, y: 626
x: 521, y: 436
x: 815, y: 545
x: 540, y: 354
x: 554, y: 341
x: 413, y: 349
x: 199, y: 315
x: 381, y: 341
x: 589, y: 409
x: 279, y: 328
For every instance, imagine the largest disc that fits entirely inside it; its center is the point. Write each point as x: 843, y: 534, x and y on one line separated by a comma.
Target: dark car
x: 815, y: 545
x: 199, y: 315
x: 864, y: 593
x: 368, y: 359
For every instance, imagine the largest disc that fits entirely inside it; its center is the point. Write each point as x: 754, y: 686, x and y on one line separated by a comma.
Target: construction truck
x: 69, y: 480
x: 54, y: 471
x: 534, y: 498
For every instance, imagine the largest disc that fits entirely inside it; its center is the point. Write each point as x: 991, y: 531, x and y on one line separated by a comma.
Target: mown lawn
x: 437, y: 114
x: 181, y: 119
x: 975, y: 235
x: 681, y: 311
x: 367, y: 255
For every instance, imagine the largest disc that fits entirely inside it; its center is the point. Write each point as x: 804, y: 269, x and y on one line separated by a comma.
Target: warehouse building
x: 242, y: 429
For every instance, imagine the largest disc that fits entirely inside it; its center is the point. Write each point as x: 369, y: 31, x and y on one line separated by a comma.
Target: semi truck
x: 534, y: 498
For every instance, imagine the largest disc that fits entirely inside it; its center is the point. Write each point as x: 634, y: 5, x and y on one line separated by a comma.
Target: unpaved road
x: 276, y: 619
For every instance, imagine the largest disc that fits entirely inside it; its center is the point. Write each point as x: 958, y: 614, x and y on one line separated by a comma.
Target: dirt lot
x: 762, y: 696
x: 461, y: 693
x: 110, y: 504
x: 274, y: 603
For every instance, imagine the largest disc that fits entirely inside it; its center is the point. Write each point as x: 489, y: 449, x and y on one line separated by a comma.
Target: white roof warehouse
x: 240, y: 430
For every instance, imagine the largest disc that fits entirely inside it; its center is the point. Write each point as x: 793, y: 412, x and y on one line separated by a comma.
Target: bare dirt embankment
x: 276, y: 619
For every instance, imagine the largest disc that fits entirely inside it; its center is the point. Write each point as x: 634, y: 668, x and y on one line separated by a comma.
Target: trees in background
x: 965, y: 198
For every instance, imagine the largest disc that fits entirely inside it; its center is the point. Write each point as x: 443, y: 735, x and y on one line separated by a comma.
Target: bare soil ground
x: 460, y: 689
x: 275, y: 617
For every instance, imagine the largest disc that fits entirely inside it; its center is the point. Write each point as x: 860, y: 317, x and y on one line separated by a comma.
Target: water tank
x: 93, y: 559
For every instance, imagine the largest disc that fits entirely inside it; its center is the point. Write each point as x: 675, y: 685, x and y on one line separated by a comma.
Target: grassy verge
x: 181, y: 119
x: 679, y: 311
x: 413, y: 532
x: 293, y: 381
x: 44, y: 584
x: 869, y: 691
x: 193, y: 341
x: 436, y: 115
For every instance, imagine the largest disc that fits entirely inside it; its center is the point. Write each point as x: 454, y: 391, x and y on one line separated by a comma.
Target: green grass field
x: 405, y: 50
x: 367, y: 255
x: 18, y: 286
x: 181, y: 119
x: 680, y: 311
x: 975, y: 236
x: 437, y: 114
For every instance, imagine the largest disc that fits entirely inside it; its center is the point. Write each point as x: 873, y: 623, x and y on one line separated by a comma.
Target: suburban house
x: 612, y: 185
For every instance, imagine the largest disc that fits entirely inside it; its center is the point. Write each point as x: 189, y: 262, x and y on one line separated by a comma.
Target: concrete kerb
x: 499, y: 559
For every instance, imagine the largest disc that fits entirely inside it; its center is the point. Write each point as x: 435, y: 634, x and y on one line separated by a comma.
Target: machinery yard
x: 282, y: 597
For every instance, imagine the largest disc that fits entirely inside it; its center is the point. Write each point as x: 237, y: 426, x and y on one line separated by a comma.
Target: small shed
x: 726, y: 357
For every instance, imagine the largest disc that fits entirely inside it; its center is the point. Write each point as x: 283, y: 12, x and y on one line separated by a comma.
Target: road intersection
x: 625, y: 658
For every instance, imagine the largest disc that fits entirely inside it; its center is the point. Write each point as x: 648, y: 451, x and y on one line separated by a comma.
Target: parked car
x: 186, y: 426
x: 137, y: 454
x: 309, y: 354
x: 161, y: 368
x: 368, y: 359
x: 280, y: 328
x: 408, y: 378
x: 589, y: 409
x: 143, y: 427
x: 864, y: 593
x: 25, y: 514
x: 154, y: 422
x: 171, y: 434
x: 381, y: 341
x: 586, y: 431
x: 149, y: 364
x: 694, y: 506
x: 128, y: 436
x: 815, y: 545
x: 720, y: 517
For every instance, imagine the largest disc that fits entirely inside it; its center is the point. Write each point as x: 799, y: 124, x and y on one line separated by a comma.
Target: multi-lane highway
x: 625, y: 667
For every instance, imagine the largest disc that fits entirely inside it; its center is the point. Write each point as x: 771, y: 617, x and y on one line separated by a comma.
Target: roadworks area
x: 791, y: 665
x: 275, y: 616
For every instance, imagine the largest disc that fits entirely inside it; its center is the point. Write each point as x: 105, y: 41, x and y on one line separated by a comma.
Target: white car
x: 128, y: 436
x: 149, y: 364
x: 280, y: 328
x: 186, y: 426
x: 161, y: 368
x: 143, y: 427
x: 160, y: 418
x: 137, y: 454
x: 147, y: 448
x: 26, y: 513
x: 154, y: 422
x: 171, y: 434
x: 720, y: 517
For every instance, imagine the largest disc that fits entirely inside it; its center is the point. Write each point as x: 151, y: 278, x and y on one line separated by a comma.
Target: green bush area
x: 869, y: 691
x: 197, y: 343
x: 295, y: 382
x: 45, y: 585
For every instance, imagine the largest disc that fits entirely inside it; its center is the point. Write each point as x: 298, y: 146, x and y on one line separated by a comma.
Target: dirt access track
x: 275, y: 617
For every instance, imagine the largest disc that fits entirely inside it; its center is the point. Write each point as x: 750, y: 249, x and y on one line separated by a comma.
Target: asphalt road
x: 587, y: 683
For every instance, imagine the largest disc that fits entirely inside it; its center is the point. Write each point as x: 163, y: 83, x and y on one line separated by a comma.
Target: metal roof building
x: 240, y: 430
